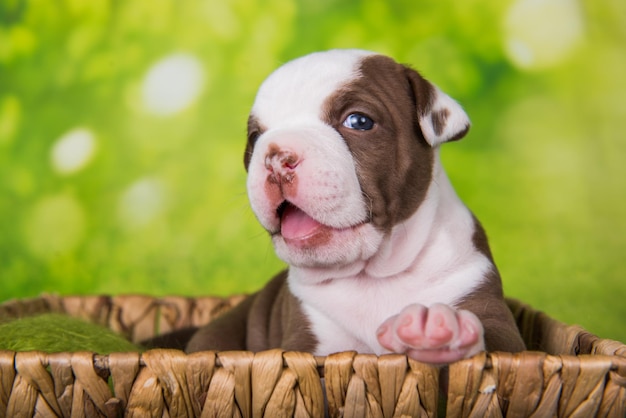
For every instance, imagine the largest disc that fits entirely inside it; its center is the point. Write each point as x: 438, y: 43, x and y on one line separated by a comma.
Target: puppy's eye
x: 253, y: 136
x: 359, y: 122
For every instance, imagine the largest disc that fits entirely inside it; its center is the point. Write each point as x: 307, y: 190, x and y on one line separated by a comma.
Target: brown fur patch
x: 270, y: 318
x: 438, y: 119
x: 487, y: 303
x: 393, y: 160
x: 276, y: 320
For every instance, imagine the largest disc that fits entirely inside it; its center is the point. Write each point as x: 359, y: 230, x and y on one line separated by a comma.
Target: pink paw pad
x: 439, y: 334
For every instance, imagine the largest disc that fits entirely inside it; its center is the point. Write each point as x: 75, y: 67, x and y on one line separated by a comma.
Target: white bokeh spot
x: 73, y: 151
x: 541, y: 33
x: 142, y: 202
x: 173, y: 84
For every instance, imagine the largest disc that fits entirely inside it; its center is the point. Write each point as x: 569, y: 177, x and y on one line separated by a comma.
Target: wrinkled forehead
x: 297, y: 91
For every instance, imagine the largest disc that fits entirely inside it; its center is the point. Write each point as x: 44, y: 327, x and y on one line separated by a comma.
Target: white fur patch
x: 287, y: 98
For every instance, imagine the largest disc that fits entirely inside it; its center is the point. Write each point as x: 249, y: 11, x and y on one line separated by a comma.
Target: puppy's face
x: 340, y: 150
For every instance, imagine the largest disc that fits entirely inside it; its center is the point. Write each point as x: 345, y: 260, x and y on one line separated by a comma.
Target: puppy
x: 344, y: 174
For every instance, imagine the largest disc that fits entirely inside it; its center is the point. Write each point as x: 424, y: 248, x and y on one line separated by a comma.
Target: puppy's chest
x: 345, y: 314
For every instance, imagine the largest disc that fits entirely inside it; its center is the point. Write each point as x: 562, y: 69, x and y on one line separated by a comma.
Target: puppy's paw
x: 439, y: 334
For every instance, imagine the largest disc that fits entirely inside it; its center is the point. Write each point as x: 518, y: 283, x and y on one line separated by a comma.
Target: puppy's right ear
x: 441, y: 119
x: 254, y: 131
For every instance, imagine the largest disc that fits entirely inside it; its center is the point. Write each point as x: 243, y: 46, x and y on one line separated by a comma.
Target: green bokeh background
x: 156, y: 204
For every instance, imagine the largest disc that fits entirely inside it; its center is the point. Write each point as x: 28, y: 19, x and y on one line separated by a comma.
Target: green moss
x: 55, y: 333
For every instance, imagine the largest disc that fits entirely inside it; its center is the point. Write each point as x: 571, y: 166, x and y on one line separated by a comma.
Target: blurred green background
x: 122, y: 127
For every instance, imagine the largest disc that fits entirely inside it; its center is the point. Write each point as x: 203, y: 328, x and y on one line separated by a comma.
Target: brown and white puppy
x: 344, y: 174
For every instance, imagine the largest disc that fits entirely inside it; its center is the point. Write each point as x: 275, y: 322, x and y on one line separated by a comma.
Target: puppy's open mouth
x: 295, y: 224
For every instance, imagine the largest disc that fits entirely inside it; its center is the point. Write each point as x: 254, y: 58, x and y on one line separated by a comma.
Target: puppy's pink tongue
x: 295, y: 224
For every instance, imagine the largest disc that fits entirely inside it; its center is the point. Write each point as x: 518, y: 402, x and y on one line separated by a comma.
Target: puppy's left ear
x: 441, y: 119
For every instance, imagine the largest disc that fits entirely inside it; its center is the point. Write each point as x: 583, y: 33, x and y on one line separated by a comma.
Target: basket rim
x: 489, y: 358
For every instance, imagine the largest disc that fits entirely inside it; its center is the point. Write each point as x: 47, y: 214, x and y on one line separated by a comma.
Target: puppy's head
x: 341, y: 148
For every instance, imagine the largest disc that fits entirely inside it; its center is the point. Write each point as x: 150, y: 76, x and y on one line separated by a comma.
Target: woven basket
x: 567, y: 372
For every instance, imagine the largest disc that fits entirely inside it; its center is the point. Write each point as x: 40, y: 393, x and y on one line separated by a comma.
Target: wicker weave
x: 568, y: 373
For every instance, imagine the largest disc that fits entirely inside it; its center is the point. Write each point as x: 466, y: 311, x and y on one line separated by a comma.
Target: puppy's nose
x: 281, y: 165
